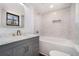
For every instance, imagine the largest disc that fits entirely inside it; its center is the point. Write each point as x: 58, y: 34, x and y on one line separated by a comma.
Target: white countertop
x: 10, y: 39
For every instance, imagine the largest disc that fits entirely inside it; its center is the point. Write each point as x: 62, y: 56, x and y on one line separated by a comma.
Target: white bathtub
x: 51, y: 43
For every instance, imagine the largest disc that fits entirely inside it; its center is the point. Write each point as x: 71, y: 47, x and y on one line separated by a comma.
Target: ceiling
x: 44, y: 7
x: 15, y: 5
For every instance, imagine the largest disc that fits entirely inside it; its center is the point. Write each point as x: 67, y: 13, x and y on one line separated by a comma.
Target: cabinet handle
x: 26, y: 49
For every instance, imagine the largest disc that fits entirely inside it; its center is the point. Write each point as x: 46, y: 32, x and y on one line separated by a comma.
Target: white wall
x: 0, y: 17
x: 37, y: 22
x: 32, y: 20
x: 29, y: 19
x: 16, y: 9
x: 77, y: 22
x: 60, y: 29
x: 74, y: 22
x: 72, y: 29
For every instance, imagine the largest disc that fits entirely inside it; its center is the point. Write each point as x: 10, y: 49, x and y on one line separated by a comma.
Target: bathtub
x: 60, y: 44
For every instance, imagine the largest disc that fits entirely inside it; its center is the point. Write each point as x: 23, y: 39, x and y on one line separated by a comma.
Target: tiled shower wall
x: 56, y: 29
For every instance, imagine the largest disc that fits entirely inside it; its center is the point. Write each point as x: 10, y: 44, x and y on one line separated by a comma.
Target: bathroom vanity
x: 21, y: 46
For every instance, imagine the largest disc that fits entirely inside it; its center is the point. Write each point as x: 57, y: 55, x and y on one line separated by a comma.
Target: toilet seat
x: 57, y: 53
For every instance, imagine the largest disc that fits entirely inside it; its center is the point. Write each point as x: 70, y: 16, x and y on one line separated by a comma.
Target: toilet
x: 57, y: 53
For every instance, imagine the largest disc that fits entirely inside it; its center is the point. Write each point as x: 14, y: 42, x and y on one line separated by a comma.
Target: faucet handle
x: 18, y: 32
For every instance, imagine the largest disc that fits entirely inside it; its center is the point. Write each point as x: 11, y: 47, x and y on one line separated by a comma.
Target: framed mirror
x: 12, y: 19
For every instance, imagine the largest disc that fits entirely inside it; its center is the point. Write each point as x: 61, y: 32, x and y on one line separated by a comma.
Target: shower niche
x: 56, y: 21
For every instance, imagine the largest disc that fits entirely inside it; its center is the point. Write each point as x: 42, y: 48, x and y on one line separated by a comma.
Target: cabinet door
x: 8, y: 52
x: 35, y: 46
x: 20, y: 50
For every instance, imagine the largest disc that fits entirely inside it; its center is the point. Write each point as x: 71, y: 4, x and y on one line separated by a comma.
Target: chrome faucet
x: 18, y: 32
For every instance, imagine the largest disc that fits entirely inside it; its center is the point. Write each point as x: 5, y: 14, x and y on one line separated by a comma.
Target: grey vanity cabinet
x: 19, y: 50
x: 34, y: 45
x: 26, y: 47
x: 6, y: 50
x: 7, y: 53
